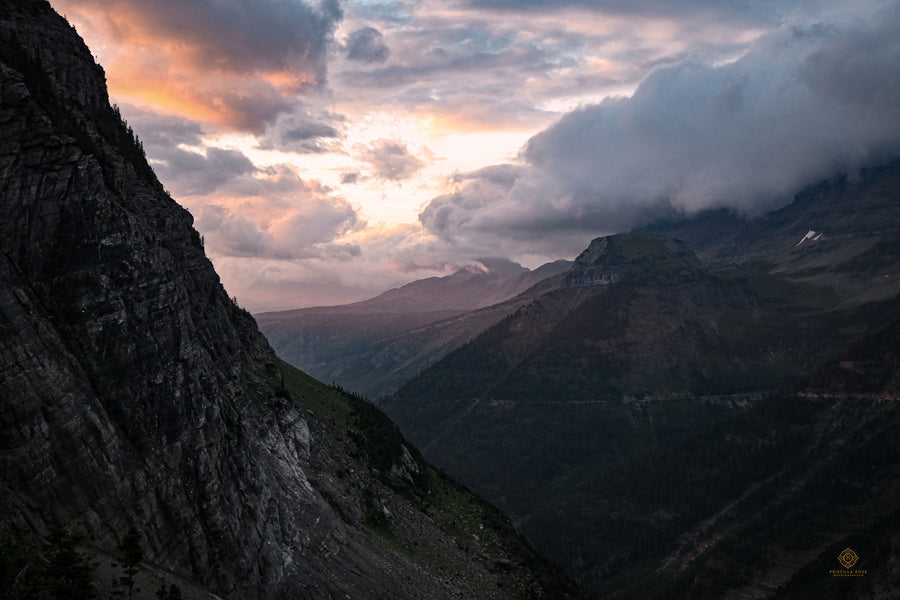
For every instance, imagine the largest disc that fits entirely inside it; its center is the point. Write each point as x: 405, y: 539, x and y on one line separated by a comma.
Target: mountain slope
x: 841, y: 233
x: 642, y: 348
x: 374, y: 346
x: 134, y: 392
x: 762, y: 505
x: 637, y: 316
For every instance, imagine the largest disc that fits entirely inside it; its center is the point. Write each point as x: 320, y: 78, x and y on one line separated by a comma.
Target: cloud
x: 431, y: 53
x: 231, y: 234
x: 351, y: 178
x: 265, y: 212
x: 223, y: 35
x: 502, y: 175
x: 767, y: 10
x: 158, y: 131
x: 391, y: 159
x: 469, y: 65
x: 224, y: 61
x: 304, y: 130
x: 307, y: 230
x: 317, y: 221
x: 803, y: 103
x: 367, y: 45
x: 364, y: 271
x: 189, y: 173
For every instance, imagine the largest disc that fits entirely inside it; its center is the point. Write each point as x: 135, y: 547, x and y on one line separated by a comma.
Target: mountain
x: 614, y: 387
x: 837, y: 237
x: 841, y: 234
x: 760, y: 505
x: 135, y: 394
x: 374, y: 346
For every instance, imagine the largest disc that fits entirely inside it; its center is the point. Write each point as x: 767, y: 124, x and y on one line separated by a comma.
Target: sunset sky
x: 329, y: 151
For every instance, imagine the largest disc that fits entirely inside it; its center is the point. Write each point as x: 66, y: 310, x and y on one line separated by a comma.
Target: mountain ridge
x: 588, y: 414
x: 402, y: 331
x: 136, y: 393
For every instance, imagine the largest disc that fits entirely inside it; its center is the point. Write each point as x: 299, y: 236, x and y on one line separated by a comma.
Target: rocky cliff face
x: 134, y: 391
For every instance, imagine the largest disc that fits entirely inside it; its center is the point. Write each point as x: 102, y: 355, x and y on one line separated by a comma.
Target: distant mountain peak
x: 611, y: 259
x: 502, y: 266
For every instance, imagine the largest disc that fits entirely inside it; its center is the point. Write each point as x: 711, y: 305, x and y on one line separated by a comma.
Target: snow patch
x: 810, y: 236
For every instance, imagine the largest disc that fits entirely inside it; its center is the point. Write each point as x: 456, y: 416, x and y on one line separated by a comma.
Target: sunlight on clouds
x: 354, y: 152
x: 288, y: 81
x: 226, y: 62
x: 161, y: 98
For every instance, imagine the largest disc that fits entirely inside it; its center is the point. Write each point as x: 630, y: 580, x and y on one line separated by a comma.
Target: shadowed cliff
x: 135, y: 392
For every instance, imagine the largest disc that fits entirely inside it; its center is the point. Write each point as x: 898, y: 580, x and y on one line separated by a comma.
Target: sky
x: 331, y: 150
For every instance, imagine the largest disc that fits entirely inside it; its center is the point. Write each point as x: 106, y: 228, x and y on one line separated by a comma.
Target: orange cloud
x: 235, y: 64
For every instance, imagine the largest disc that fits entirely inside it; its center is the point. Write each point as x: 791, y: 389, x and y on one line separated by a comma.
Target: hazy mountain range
x: 374, y: 346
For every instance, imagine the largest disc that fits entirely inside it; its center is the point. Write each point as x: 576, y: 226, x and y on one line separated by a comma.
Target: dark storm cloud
x: 803, y: 103
x: 390, y: 159
x: 367, y: 45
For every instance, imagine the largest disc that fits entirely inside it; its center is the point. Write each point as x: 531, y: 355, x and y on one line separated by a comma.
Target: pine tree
x: 69, y: 575
x: 130, y: 556
x: 172, y: 593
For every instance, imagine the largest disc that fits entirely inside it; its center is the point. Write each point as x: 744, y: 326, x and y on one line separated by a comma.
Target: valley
x: 645, y: 402
x: 374, y: 346
x: 142, y: 409
x: 704, y: 406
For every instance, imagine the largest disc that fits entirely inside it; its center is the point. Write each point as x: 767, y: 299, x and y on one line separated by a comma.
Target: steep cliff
x: 135, y: 392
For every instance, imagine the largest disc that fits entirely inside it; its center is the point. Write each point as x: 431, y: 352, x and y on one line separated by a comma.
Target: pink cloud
x: 236, y: 64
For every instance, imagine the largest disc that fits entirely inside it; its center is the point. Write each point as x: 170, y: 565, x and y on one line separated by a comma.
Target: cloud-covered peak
x: 502, y: 266
x: 803, y: 103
